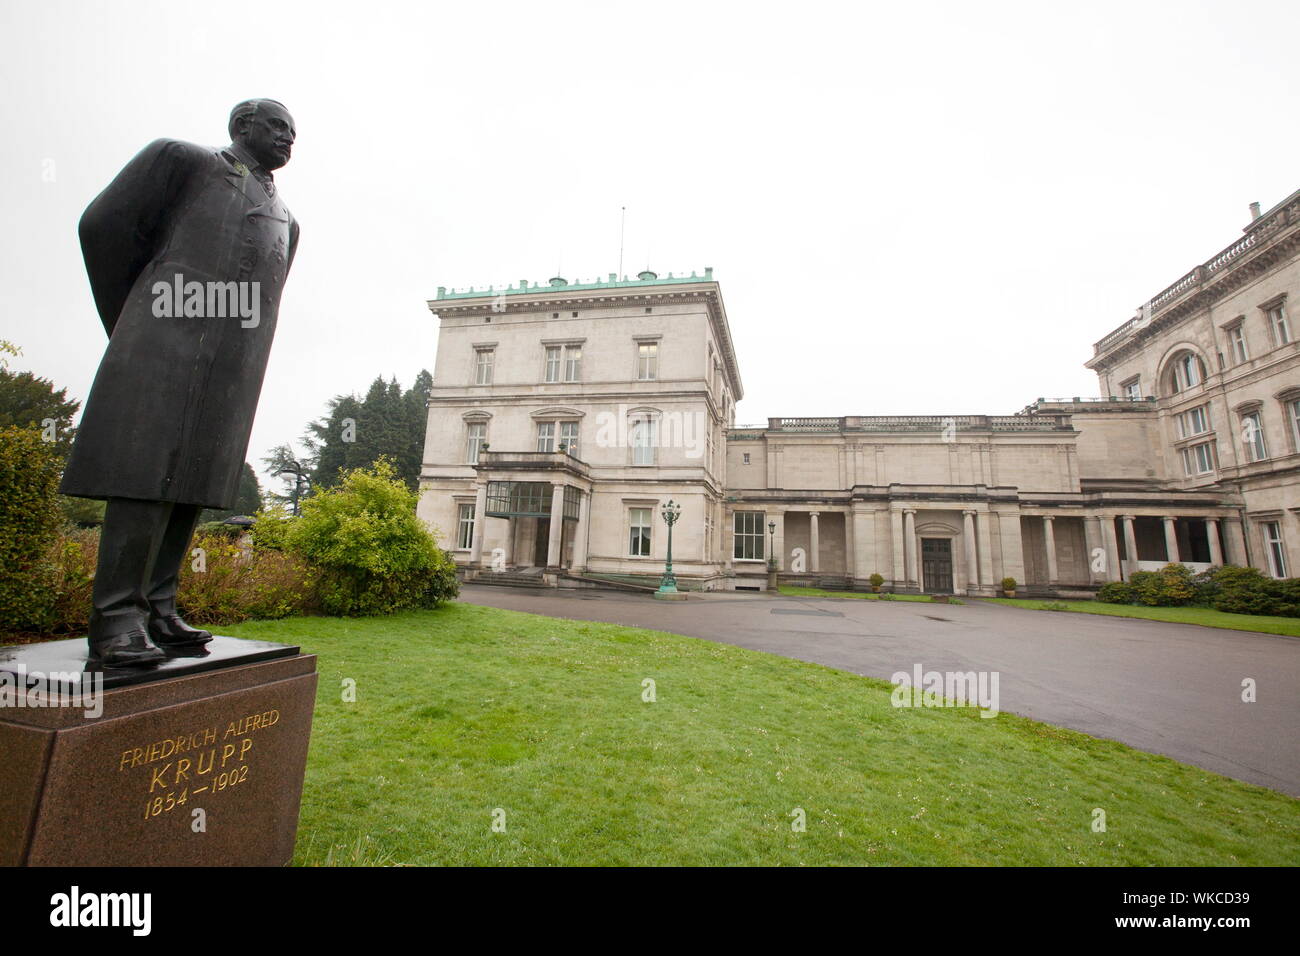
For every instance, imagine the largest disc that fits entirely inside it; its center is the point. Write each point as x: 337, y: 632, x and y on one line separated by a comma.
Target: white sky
x: 911, y: 208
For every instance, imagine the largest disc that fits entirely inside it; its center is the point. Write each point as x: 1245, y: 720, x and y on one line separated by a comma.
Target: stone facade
x: 1193, y: 453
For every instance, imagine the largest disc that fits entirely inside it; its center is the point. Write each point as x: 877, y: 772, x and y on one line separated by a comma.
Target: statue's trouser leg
x: 172, y: 551
x: 128, y: 545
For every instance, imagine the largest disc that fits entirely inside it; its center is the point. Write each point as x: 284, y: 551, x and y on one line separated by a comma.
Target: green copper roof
x: 556, y: 284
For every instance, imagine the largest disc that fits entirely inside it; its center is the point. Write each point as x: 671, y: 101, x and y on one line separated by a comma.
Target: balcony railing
x: 531, y: 459
x: 911, y: 423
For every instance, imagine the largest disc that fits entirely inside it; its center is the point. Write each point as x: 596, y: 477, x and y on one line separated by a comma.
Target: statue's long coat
x: 172, y: 406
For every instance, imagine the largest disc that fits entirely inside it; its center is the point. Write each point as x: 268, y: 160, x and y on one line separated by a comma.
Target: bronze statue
x: 187, y: 251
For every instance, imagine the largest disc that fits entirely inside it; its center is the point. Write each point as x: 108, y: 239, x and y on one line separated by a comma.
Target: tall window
x: 1187, y: 371
x: 647, y: 361
x: 639, y: 532
x: 563, y: 363
x: 1237, y: 340
x: 484, y: 359
x: 475, y: 434
x: 546, y: 436
x: 749, y: 536
x: 1252, y: 436
x: 1198, y: 459
x: 1194, y: 421
x: 465, y: 527
x: 643, y: 441
x: 569, y: 437
x: 1293, y: 413
x: 1279, y: 324
x: 1274, y: 549
x: 1133, y: 389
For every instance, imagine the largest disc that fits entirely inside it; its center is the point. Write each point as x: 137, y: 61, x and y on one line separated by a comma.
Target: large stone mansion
x: 563, y: 416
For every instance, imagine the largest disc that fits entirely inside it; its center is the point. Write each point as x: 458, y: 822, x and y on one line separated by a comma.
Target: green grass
x: 1207, y: 617
x: 467, y: 709
x: 794, y: 591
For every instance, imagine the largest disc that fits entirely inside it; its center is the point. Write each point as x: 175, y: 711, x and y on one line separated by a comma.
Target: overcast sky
x: 911, y: 208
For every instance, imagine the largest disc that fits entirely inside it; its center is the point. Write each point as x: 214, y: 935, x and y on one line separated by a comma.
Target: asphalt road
x: 1171, y: 689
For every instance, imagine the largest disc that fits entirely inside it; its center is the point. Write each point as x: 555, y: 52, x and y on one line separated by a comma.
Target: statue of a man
x: 187, y: 251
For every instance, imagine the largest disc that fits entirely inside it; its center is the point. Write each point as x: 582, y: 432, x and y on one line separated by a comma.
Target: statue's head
x: 265, y: 129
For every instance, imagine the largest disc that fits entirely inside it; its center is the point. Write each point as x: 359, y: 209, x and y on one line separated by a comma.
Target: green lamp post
x: 668, y: 584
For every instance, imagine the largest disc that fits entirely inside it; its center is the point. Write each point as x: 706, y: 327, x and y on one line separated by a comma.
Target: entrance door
x: 542, y: 543
x: 936, y: 565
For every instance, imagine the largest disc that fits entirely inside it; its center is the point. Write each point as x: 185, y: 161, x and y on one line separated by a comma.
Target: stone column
x: 557, y: 526
x: 1171, y: 539
x: 480, y: 521
x: 1013, y: 554
x: 864, y: 545
x: 1049, y: 537
x: 1112, y: 548
x: 897, y: 561
x: 814, y: 544
x: 984, y: 529
x: 1130, y: 542
x: 508, y: 555
x: 972, y: 563
x: 909, y: 546
x: 580, y: 535
x: 1092, y: 544
x: 1234, y: 542
x: 1212, y: 533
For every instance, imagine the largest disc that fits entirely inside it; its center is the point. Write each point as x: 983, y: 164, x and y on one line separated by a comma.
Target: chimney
x: 1254, y: 211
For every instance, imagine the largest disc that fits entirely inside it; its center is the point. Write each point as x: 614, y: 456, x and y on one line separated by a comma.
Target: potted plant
x: 1009, y: 587
x: 876, y: 580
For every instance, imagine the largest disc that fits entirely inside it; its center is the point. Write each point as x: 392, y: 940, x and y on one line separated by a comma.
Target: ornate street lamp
x: 771, y: 551
x: 668, y: 584
x: 296, y: 469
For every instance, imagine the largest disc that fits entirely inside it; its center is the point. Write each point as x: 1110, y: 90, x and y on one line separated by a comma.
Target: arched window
x: 1185, y: 370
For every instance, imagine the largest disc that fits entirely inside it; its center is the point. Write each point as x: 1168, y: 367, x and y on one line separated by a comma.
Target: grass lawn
x: 467, y: 709
x: 794, y: 591
x: 1178, y: 615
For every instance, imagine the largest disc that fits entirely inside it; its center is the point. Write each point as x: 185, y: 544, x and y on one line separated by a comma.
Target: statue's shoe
x: 129, y: 648
x: 169, y: 630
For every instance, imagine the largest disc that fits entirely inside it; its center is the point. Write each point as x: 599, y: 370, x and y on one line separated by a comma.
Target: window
x: 546, y: 436
x: 476, y: 433
x: 1293, y: 412
x: 1273, y: 548
x: 1194, y: 421
x: 749, y: 536
x: 1132, y: 389
x: 1187, y: 371
x: 639, y: 532
x: 1198, y: 459
x: 569, y: 437
x: 643, y: 441
x: 746, y: 458
x: 465, y: 527
x: 1252, y: 436
x: 1237, y: 341
x: 563, y: 363
x: 483, y: 362
x: 572, y: 363
x: 1279, y: 325
x: 647, y: 361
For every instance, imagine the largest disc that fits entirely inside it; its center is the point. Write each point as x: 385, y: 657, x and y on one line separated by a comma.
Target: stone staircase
x: 512, y: 578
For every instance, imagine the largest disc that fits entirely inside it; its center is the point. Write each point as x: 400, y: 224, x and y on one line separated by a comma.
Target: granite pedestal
x: 198, y: 761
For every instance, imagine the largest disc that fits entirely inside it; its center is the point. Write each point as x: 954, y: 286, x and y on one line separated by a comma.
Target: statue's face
x: 269, y: 135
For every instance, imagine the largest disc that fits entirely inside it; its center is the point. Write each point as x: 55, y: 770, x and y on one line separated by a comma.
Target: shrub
x: 1116, y: 592
x: 271, y: 527
x: 219, y: 529
x: 229, y: 583
x: 1248, y: 591
x: 876, y: 580
x: 1008, y: 584
x: 30, y: 518
x: 374, y: 554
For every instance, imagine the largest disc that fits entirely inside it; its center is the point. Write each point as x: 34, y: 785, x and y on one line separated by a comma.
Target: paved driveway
x: 1171, y: 689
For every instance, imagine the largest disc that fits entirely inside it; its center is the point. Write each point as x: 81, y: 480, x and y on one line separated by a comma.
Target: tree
x: 283, y: 463
x: 31, y: 402
x: 248, y: 501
